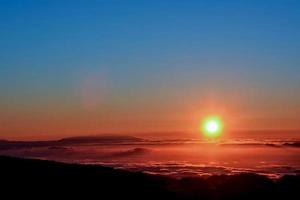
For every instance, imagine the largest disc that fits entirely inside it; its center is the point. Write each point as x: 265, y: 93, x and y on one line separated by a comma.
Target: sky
x: 90, y: 67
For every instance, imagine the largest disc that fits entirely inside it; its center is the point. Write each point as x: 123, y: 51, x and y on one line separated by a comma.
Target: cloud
x: 130, y: 140
x: 117, y: 151
x: 73, y: 154
x: 130, y: 152
x: 182, y: 169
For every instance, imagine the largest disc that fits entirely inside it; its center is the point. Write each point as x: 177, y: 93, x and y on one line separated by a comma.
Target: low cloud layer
x: 146, y: 155
x: 180, y: 170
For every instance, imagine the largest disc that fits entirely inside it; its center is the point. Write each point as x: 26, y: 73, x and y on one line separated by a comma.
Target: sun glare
x: 212, y: 127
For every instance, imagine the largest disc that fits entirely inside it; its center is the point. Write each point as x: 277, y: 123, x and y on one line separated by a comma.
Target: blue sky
x: 149, y: 51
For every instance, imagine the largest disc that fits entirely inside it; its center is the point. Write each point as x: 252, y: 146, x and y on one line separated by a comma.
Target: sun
x: 212, y: 127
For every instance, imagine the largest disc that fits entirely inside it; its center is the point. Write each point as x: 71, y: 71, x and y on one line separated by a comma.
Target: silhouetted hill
x: 100, y: 139
x: 37, y: 179
x: 80, y: 140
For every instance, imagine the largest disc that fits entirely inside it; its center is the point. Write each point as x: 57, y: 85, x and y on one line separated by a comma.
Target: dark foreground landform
x: 37, y: 179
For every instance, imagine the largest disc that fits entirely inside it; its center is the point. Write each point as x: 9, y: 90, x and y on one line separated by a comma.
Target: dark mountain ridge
x: 80, y: 140
x: 38, y: 179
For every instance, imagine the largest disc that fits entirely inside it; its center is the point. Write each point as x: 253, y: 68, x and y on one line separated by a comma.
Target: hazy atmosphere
x: 134, y: 67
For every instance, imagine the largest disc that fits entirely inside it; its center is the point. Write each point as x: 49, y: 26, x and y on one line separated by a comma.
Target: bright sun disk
x: 212, y: 127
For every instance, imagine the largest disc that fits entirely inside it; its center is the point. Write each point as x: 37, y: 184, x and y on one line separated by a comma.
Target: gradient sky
x: 88, y: 67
